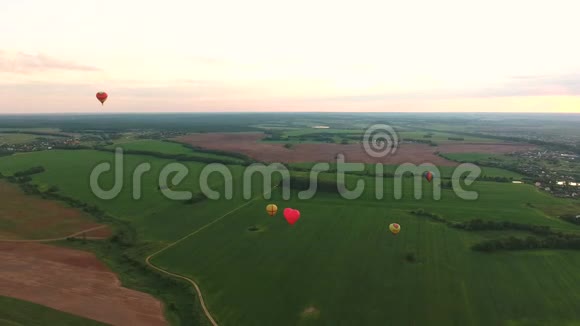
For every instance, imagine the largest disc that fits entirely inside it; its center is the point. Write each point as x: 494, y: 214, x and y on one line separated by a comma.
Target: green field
x: 154, y: 216
x: 481, y: 157
x: 17, y: 138
x: 22, y: 313
x: 442, y: 137
x: 154, y: 146
x: 339, y: 265
x: 445, y: 171
x: 47, y: 130
x: 310, y: 135
x: 435, y: 136
x: 341, y: 255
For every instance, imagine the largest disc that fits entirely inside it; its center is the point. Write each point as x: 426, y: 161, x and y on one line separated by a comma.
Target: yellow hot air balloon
x: 272, y: 209
x: 395, y: 228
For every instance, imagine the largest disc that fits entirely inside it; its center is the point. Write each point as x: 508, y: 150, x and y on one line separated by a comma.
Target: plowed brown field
x: 73, y: 281
x: 30, y: 217
x: 250, y: 145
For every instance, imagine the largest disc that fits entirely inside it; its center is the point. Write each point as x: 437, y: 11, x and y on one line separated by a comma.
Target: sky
x: 299, y: 55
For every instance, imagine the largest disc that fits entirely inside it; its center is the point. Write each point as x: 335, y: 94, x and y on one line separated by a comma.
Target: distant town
x: 553, y: 171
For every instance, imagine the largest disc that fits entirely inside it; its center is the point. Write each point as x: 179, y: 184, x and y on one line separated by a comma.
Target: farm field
x: 491, y: 148
x: 306, y: 135
x: 153, y: 146
x: 47, y: 130
x: 17, y: 138
x: 251, y: 145
x: 474, y: 157
x: 31, y: 314
x: 340, y: 254
x: 153, y: 215
x: 443, y: 137
x: 26, y: 217
x: 74, y: 282
x: 445, y: 171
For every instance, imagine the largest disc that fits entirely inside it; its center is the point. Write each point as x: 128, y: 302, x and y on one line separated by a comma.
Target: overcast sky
x: 311, y: 55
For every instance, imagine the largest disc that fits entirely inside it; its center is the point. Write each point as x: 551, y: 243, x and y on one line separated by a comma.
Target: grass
x: 338, y: 264
x: 14, y: 312
x: 17, y: 138
x: 475, y: 157
x: 48, y: 130
x: 154, y: 146
x: 341, y: 260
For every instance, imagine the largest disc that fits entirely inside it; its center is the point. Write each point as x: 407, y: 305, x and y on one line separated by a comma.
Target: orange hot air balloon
x: 272, y: 209
x: 102, y: 97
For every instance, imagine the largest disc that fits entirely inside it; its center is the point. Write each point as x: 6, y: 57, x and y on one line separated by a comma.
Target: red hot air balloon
x: 102, y: 97
x: 291, y: 215
x: 428, y: 176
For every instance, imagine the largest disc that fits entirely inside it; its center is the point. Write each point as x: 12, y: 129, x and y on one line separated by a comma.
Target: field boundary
x: 62, y: 238
x: 197, y: 289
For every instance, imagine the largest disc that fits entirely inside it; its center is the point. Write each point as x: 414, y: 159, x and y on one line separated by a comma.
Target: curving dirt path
x: 197, y: 289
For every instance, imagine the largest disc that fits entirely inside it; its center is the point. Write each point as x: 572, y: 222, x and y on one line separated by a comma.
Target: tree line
x: 544, y: 237
x: 176, y: 157
x: 422, y: 141
x: 574, y: 219
x: 30, y: 171
x: 530, y: 242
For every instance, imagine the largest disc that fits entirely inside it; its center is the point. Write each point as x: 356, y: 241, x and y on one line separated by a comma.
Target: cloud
x: 184, y: 89
x: 515, y: 86
x: 24, y: 63
x: 541, y: 85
